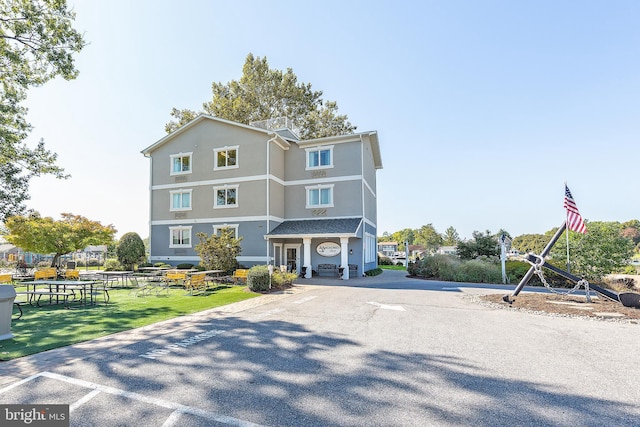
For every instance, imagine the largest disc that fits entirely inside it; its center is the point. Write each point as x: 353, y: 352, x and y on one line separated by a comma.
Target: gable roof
x: 280, y: 137
x: 317, y: 228
x: 203, y: 117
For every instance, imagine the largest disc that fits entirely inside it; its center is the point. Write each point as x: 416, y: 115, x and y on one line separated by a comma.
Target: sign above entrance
x: 328, y: 249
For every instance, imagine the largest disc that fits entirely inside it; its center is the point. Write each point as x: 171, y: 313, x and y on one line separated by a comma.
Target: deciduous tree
x: 482, y: 244
x: 263, y: 93
x: 601, y: 251
x: 33, y: 233
x: 219, y: 252
x: 37, y: 43
x: 130, y: 250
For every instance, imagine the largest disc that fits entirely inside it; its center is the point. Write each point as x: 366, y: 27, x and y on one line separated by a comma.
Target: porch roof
x: 343, y: 227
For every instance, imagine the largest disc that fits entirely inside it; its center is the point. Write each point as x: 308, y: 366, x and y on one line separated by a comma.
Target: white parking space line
x: 387, y: 307
x: 303, y: 300
x: 178, y: 408
x: 87, y: 397
x: 266, y: 313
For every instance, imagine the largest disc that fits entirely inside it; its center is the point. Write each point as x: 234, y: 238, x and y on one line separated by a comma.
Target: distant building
x: 388, y: 249
x: 447, y: 250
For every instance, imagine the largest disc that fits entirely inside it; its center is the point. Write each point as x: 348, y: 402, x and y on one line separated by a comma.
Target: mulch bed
x: 571, y: 305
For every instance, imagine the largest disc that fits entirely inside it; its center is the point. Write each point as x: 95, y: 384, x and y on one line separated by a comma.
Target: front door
x: 291, y: 258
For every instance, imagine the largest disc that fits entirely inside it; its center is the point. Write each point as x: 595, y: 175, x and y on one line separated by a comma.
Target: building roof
x: 317, y: 228
x: 202, y: 117
x: 282, y: 137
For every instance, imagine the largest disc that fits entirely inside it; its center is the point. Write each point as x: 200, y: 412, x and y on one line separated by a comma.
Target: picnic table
x: 64, y: 289
x: 116, y: 276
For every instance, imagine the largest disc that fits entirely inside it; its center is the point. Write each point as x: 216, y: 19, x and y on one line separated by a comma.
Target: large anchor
x: 628, y: 299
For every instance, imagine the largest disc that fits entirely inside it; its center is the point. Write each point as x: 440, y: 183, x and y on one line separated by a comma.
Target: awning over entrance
x: 317, y: 227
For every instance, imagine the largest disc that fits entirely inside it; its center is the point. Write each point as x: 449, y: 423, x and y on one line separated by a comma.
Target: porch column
x: 344, y: 257
x: 307, y: 256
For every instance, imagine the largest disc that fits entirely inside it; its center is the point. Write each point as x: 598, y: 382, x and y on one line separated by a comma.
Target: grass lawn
x: 53, y: 326
x: 392, y: 267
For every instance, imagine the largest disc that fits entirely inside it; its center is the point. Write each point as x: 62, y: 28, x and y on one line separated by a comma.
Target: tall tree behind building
x: 263, y: 93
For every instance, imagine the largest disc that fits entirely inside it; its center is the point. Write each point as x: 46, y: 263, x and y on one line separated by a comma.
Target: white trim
x: 318, y: 148
x: 180, y: 155
x: 181, y: 245
x: 183, y: 258
x: 225, y: 188
x: 324, y: 180
x: 180, y: 191
x: 218, y: 220
x: 211, y: 182
x: 214, y: 182
x: 227, y: 148
x: 319, y: 187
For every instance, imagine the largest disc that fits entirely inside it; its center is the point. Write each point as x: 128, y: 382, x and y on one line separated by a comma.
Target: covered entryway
x: 307, y: 244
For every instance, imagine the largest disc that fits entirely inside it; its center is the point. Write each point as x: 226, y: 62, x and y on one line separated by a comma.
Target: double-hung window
x: 180, y: 163
x: 180, y: 200
x: 319, y: 157
x: 319, y: 196
x: 225, y: 158
x: 225, y: 197
x: 180, y: 237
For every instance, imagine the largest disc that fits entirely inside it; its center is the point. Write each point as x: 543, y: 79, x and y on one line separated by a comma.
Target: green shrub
x: 93, y: 262
x: 280, y: 280
x: 383, y: 260
x: 373, y: 272
x: 477, y: 271
x: 112, y: 264
x: 440, y: 267
x: 258, y: 279
x: 516, y: 270
x: 184, y: 266
x: 145, y: 265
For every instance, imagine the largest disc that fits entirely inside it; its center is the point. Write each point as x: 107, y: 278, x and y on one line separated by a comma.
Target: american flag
x: 574, y: 219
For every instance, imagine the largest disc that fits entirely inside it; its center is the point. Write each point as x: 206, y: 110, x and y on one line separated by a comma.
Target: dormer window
x: 319, y: 157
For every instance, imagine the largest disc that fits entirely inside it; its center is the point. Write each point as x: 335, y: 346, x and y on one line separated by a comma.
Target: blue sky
x: 483, y: 108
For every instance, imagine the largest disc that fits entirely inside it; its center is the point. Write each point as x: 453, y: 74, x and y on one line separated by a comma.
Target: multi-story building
x: 295, y: 202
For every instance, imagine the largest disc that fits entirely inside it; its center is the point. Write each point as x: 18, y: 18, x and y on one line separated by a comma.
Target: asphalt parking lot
x: 384, y: 351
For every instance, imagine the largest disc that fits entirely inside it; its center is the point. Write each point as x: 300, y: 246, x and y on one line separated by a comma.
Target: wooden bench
x: 175, y: 277
x: 72, y: 275
x: 240, y: 275
x: 328, y: 270
x: 196, y: 283
x: 47, y: 273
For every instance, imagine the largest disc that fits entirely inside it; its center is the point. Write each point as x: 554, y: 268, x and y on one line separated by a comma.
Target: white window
x: 319, y: 196
x: 225, y: 158
x: 369, y: 248
x: 320, y: 157
x: 180, y: 237
x: 180, y: 163
x: 180, y: 200
x: 225, y: 197
x: 219, y: 228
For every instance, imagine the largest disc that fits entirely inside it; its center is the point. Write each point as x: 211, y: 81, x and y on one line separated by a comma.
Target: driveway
x: 386, y: 350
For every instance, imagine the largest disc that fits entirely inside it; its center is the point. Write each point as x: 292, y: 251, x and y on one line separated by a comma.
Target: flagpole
x: 567, y: 231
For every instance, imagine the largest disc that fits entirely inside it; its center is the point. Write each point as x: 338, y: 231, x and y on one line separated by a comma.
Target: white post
x: 307, y: 256
x: 344, y: 257
x: 503, y: 257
